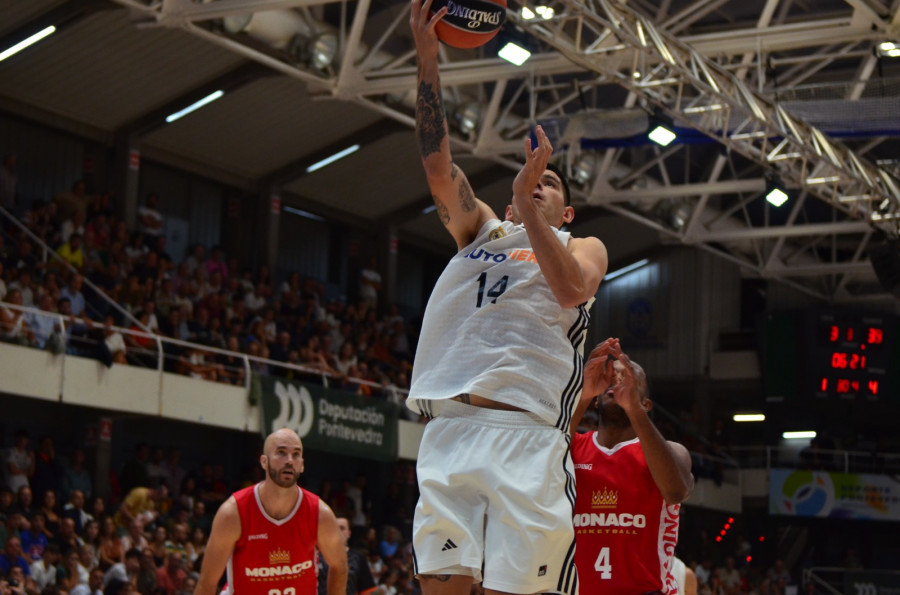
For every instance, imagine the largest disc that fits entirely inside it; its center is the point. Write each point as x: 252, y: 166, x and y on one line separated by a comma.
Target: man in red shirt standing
x: 630, y: 482
x: 265, y: 536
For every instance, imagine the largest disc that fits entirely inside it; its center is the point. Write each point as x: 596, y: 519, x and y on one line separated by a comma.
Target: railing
x: 846, y: 461
x: 78, y: 336
x: 835, y: 581
x: 47, y: 253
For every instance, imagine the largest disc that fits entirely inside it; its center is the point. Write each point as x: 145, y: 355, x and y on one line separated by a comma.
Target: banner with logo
x: 872, y: 582
x: 834, y: 495
x: 330, y: 420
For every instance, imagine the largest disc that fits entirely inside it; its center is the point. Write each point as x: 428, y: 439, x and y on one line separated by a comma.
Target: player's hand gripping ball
x: 469, y: 23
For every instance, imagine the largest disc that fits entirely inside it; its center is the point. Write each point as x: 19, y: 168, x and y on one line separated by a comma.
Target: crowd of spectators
x: 205, y: 299
x: 149, y: 536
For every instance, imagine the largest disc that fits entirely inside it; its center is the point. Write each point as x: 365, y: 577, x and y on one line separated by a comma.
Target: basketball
x: 469, y: 23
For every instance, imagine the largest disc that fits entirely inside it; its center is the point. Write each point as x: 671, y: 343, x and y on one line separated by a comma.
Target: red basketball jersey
x: 274, y: 557
x: 625, y: 533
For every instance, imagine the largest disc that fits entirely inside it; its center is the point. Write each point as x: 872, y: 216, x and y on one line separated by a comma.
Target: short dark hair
x: 565, y: 183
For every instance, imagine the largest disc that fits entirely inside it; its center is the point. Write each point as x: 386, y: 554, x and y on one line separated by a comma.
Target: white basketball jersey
x: 493, y: 328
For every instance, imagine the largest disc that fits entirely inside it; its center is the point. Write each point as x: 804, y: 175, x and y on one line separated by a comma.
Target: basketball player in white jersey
x: 499, y: 368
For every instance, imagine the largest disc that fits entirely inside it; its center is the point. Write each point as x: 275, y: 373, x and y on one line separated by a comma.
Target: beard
x: 280, y: 480
x: 612, y: 415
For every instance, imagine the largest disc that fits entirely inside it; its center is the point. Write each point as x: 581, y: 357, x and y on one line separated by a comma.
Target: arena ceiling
x: 762, y: 91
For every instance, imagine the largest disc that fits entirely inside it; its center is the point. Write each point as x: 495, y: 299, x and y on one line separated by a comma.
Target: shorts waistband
x: 450, y: 409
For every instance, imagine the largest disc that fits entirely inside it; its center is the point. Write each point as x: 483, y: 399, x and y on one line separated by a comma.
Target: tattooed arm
x: 460, y: 212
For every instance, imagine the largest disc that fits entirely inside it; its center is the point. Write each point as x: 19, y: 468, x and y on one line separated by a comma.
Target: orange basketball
x: 469, y: 23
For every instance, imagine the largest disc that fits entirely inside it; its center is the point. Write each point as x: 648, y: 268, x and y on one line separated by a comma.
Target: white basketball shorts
x: 497, y: 492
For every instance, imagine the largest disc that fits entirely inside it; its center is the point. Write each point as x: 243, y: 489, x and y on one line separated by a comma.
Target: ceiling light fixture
x: 195, y: 106
x: 776, y: 193
x: 662, y: 135
x: 15, y: 49
x: 514, y: 53
x: 332, y: 159
x: 748, y: 417
x: 804, y: 435
x: 626, y: 269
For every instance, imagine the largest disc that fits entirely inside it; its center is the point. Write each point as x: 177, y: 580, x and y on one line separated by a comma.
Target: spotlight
x: 322, y: 49
x: 680, y: 215
x: 583, y: 169
x: 889, y: 49
x: 776, y: 193
x: 468, y: 116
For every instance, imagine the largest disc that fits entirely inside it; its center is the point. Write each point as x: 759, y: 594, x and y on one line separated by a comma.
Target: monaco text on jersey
x: 610, y: 519
x: 284, y: 570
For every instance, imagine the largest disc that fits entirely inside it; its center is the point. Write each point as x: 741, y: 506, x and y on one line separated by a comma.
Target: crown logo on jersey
x: 605, y: 498
x: 280, y: 556
x: 497, y: 233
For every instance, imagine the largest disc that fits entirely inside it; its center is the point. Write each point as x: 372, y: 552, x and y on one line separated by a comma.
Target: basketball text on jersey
x: 483, y: 255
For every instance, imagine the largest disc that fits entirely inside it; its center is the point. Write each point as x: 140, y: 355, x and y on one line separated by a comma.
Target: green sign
x: 330, y: 420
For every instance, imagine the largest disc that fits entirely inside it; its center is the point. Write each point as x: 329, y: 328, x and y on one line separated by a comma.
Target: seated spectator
x: 48, y: 502
x: 12, y: 556
x: 135, y: 537
x: 94, y: 585
x: 20, y: 582
x: 24, y: 283
x: 123, y: 571
x: 146, y: 577
x: 171, y: 576
x: 43, y: 325
x: 67, y: 539
x: 73, y: 293
x: 729, y: 576
x: 34, y: 539
x: 195, y: 365
x: 779, y: 576
x: 113, y: 350
x: 76, y: 477
x: 230, y: 366
x: 74, y: 508
x: 112, y: 550
x: 13, y: 324
x: 44, y: 570
x: 71, y: 252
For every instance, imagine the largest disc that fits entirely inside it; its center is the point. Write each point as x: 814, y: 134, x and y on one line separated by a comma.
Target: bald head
x: 284, y: 436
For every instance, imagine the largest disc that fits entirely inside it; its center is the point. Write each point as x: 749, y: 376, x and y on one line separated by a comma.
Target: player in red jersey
x: 630, y: 482
x: 265, y: 536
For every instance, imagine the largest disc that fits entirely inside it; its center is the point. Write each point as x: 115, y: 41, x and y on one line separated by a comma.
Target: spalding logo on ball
x: 469, y: 23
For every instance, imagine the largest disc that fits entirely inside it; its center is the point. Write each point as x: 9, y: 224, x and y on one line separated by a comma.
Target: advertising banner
x: 330, y: 420
x: 834, y: 495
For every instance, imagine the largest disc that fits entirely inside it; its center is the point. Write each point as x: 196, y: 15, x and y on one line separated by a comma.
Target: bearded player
x: 630, y: 483
x: 265, y: 535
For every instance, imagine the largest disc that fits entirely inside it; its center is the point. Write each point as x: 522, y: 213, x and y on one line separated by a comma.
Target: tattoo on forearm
x: 429, y: 119
x: 466, y: 196
x: 442, y: 211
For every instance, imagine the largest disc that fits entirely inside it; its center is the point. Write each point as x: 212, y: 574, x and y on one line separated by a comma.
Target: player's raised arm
x: 574, y: 271
x: 460, y: 212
